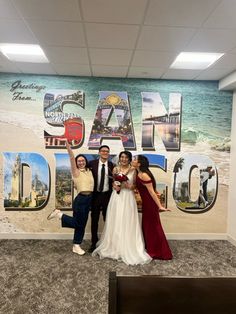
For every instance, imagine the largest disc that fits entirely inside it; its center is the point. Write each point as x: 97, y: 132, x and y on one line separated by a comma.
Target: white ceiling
x: 120, y: 38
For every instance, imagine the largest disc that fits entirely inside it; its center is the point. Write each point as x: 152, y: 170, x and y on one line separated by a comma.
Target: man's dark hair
x: 104, y: 146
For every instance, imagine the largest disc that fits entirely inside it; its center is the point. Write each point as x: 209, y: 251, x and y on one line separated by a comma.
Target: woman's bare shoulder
x: 144, y: 176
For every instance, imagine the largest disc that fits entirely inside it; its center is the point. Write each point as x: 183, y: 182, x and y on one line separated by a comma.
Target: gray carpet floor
x: 44, y: 276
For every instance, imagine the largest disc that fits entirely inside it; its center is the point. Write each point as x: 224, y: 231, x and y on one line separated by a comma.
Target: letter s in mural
x: 61, y: 109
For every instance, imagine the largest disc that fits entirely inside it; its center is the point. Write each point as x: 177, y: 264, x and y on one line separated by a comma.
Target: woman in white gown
x: 122, y: 236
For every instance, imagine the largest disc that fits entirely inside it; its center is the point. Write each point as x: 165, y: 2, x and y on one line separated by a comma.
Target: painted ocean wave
x: 192, y: 136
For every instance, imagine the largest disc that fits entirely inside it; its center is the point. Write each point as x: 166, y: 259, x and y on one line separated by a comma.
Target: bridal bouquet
x: 119, y: 178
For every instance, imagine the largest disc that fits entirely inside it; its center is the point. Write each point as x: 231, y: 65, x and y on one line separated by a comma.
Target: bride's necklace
x: 125, y: 170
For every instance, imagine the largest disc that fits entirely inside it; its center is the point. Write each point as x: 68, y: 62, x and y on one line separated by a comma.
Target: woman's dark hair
x: 144, y: 167
x: 86, y: 160
x: 127, y: 153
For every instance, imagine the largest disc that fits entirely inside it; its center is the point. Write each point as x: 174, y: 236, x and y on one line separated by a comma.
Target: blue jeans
x: 81, y: 207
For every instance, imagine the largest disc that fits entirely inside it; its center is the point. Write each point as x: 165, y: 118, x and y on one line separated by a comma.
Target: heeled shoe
x: 56, y: 213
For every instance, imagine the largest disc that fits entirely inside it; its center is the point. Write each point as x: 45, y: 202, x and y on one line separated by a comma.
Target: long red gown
x: 155, y: 240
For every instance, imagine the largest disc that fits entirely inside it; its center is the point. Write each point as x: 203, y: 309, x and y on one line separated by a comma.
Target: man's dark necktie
x: 102, y: 178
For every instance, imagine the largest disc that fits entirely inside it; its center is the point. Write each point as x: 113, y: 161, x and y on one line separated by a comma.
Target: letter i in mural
x: 64, y: 184
x: 64, y: 187
x: 168, y: 125
x: 15, y: 193
x: 104, y: 124
x: 61, y: 109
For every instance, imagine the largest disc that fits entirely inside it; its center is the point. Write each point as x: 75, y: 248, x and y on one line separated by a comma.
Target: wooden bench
x: 171, y: 295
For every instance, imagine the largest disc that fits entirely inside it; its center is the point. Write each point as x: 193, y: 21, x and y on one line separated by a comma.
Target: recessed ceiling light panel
x: 195, y: 60
x: 23, y: 53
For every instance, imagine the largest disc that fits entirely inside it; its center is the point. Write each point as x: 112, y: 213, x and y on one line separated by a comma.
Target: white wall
x: 232, y: 188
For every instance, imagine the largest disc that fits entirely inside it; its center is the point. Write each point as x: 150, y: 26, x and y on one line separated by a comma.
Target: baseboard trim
x: 37, y: 236
x: 69, y: 236
x: 231, y: 240
x: 196, y: 236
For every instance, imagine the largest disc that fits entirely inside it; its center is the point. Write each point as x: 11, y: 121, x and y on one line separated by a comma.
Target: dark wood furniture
x: 171, y: 295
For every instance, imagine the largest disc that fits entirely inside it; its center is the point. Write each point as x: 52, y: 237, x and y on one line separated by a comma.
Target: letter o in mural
x: 195, y: 183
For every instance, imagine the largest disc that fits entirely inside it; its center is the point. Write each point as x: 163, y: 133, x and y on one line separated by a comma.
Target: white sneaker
x: 56, y: 213
x: 77, y: 249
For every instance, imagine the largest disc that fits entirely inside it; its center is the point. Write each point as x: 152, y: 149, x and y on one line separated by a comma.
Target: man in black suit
x: 102, y: 173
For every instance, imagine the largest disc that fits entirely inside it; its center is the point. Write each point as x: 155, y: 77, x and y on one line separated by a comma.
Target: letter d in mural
x: 16, y: 194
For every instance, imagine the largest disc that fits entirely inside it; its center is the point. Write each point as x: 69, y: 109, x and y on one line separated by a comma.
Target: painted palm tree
x: 178, y: 166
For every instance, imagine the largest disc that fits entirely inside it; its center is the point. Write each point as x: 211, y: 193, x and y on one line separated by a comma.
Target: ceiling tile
x: 111, y: 35
x: 145, y: 72
x: 233, y: 50
x: 58, y: 33
x: 7, y: 10
x: 213, y: 74
x: 109, y: 71
x: 113, y: 11
x: 223, y: 16
x: 35, y: 68
x: 64, y: 10
x: 3, y: 59
x: 152, y: 58
x: 66, y: 54
x: 110, y: 56
x: 212, y: 40
x: 9, y: 69
x: 72, y: 69
x: 227, y: 61
x: 179, y: 12
x: 164, y: 38
x: 16, y: 31
x: 7, y: 66
x: 176, y: 74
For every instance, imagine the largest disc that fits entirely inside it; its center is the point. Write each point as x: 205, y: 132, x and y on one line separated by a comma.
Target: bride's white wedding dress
x: 122, y: 236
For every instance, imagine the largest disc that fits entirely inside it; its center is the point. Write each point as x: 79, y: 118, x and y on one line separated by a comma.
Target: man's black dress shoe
x: 92, y: 248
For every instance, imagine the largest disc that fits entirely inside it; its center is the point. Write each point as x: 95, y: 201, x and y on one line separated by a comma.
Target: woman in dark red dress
x: 155, y: 240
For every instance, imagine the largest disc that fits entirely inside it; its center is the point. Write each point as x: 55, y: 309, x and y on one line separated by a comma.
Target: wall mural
x: 183, y: 127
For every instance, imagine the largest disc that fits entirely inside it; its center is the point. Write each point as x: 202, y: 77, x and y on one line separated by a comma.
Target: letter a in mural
x: 61, y: 109
x: 104, y: 124
x: 16, y: 196
x: 168, y: 124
